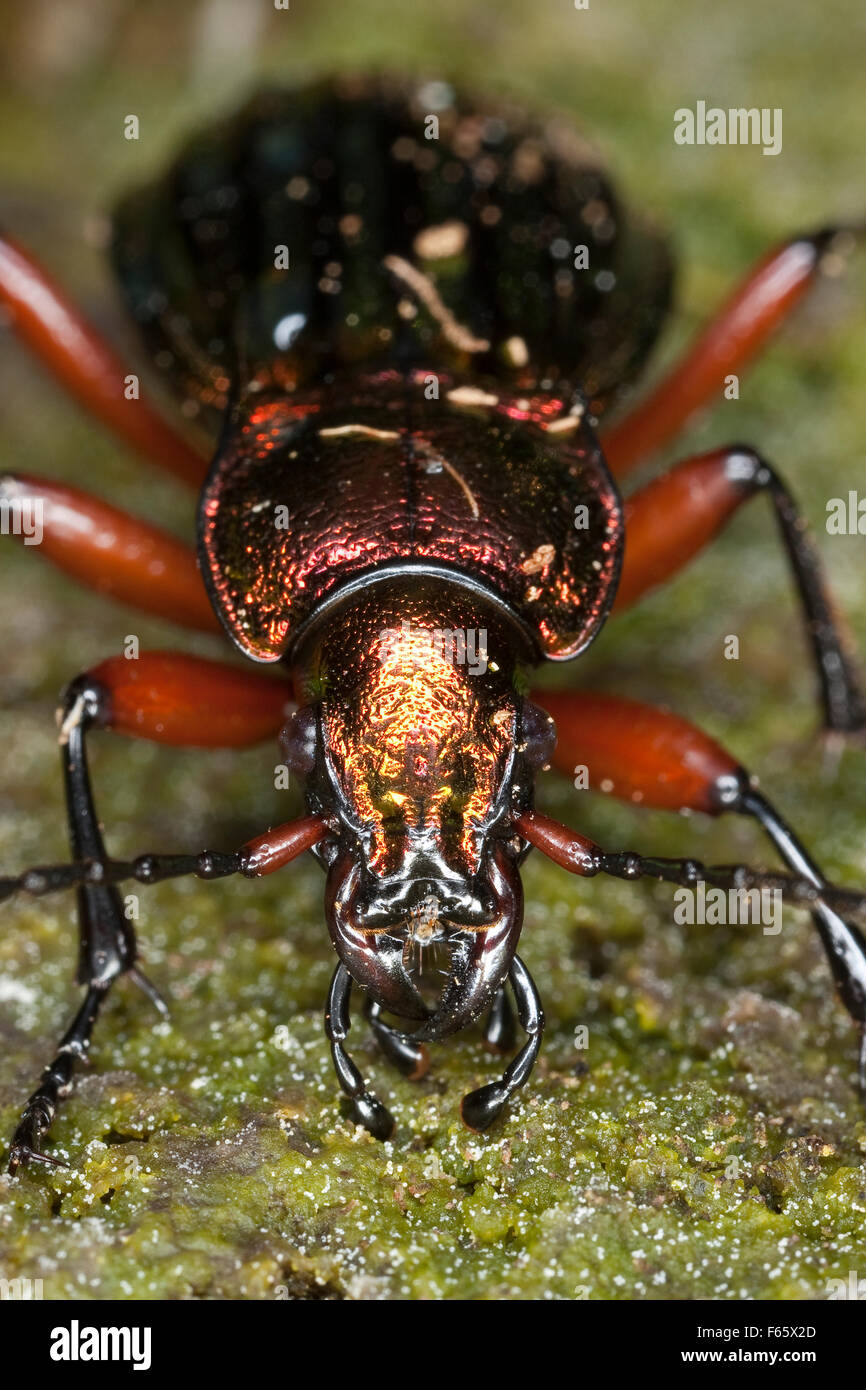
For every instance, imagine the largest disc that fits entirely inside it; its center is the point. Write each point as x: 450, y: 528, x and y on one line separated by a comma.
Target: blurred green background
x: 708, y: 1143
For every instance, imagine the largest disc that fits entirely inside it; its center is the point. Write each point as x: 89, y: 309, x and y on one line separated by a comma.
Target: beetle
x: 404, y: 314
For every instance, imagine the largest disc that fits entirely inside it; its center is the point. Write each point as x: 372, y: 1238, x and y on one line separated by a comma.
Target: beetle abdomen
x: 312, y: 492
x: 379, y: 222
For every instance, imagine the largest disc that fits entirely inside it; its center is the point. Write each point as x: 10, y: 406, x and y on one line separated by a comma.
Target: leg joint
x: 85, y: 704
x: 747, y: 468
x: 731, y: 790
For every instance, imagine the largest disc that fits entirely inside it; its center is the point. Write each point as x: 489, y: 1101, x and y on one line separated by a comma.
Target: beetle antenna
x: 579, y: 855
x: 263, y: 855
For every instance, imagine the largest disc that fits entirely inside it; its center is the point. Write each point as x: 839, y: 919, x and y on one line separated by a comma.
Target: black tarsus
x: 367, y: 1110
x: 55, y: 1084
x: 841, y: 688
x: 481, y: 1108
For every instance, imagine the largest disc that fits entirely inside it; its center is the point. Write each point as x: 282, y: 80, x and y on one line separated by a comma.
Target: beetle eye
x: 538, y: 736
x: 298, y: 742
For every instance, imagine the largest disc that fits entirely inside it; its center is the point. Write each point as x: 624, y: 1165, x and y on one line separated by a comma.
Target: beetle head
x: 419, y: 751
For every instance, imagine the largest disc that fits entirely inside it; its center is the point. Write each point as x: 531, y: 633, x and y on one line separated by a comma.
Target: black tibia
x: 841, y: 690
x: 843, y: 942
x: 409, y: 1057
x: 480, y: 1108
x: 500, y: 1030
x: 367, y: 1110
x: 107, y: 942
x: 107, y: 947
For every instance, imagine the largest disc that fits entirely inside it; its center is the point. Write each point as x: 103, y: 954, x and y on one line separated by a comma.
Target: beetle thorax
x: 417, y: 727
x: 417, y: 746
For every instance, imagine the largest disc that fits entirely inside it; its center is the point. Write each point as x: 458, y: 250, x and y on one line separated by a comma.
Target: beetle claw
x: 149, y: 988
x: 22, y: 1154
x: 373, y: 1115
x: 479, y: 1109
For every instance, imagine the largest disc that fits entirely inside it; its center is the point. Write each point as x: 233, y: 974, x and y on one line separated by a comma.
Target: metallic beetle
x: 403, y: 315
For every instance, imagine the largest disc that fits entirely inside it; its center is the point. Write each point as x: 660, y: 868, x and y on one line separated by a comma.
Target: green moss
x: 708, y: 1142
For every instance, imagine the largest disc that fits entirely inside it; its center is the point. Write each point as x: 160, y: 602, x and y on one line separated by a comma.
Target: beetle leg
x: 673, y: 517
x: 168, y: 698
x: 188, y: 701
x: 55, y: 1084
x: 368, y: 1110
x: 480, y: 1108
x: 409, y: 1057
x: 654, y: 757
x: 500, y: 1031
x: 78, y: 356
x: 731, y: 339
x: 108, y: 947
x: 107, y: 939
x: 110, y: 551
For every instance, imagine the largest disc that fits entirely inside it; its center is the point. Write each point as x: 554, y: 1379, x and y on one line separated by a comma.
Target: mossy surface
x: 708, y: 1141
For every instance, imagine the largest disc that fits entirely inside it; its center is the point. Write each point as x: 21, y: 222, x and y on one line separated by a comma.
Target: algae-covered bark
x: 703, y: 1137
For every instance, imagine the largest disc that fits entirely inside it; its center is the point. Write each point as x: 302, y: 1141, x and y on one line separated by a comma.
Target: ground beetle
x: 404, y: 313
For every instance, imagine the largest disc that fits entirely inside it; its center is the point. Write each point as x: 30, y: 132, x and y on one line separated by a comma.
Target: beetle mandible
x: 405, y: 345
